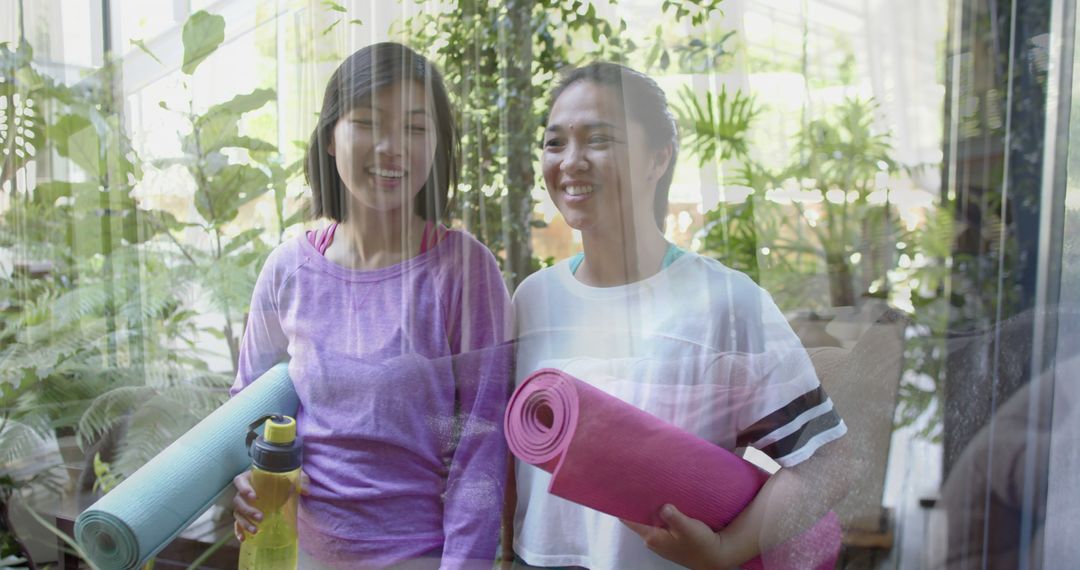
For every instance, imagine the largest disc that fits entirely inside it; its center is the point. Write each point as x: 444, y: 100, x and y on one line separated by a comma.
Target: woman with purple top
x: 393, y: 328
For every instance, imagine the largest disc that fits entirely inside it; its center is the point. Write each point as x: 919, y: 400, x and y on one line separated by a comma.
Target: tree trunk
x: 519, y: 125
x: 841, y: 292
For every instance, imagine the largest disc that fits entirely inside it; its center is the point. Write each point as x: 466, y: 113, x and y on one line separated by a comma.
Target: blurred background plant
x: 101, y: 337
x: 820, y: 231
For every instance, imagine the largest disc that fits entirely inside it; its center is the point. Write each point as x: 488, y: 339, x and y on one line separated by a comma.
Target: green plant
x: 21, y: 90
x: 224, y: 185
x: 95, y: 338
x: 93, y: 322
x: 173, y: 394
x: 13, y: 553
x: 64, y: 233
x: 827, y: 218
x: 718, y: 127
x: 68, y: 541
x: 862, y: 245
x: 843, y: 153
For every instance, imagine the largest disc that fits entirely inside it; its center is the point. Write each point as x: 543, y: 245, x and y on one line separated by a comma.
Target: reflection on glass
x: 885, y: 184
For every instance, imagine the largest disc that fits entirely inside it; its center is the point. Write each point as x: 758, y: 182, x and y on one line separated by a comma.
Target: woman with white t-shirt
x: 676, y: 334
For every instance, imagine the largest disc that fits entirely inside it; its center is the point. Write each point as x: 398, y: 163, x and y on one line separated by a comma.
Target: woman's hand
x: 247, y: 517
x: 685, y: 541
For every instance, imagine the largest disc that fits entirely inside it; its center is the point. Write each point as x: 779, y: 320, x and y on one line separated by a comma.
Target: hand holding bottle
x: 247, y: 516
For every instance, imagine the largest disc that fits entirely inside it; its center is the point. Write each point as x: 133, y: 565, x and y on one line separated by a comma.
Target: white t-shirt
x: 699, y: 345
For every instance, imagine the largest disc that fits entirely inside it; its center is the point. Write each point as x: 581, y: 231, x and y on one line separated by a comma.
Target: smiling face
x: 600, y: 168
x: 384, y: 147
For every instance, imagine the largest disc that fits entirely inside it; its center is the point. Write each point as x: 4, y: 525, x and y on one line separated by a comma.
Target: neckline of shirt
x: 323, y: 264
x: 566, y: 276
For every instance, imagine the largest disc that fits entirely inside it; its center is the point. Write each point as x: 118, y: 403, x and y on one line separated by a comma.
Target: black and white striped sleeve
x: 793, y: 432
x: 785, y: 412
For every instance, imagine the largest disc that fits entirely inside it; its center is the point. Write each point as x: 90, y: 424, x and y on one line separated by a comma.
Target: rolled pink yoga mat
x: 608, y: 455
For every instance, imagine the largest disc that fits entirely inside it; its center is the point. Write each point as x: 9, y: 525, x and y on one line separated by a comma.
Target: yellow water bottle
x: 275, y: 475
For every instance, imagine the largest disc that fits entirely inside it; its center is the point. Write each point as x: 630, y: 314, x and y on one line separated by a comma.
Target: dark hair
x: 355, y: 80
x: 646, y: 103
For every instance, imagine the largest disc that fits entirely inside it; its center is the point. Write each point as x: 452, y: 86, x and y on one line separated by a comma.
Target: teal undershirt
x: 673, y: 252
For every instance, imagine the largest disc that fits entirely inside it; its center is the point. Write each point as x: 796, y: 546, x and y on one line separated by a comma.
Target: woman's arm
x: 482, y: 366
x: 787, y: 415
x: 790, y: 502
x: 264, y: 343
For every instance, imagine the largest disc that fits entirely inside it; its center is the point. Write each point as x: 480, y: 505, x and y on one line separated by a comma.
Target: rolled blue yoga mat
x: 148, y: 510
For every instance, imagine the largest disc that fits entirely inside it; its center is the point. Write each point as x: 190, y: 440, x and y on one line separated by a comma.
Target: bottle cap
x: 277, y: 450
x: 280, y: 430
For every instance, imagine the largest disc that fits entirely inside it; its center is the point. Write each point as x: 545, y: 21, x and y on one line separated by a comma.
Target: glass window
x: 802, y: 270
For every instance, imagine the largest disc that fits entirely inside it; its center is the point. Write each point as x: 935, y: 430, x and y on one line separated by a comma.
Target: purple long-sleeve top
x: 402, y: 374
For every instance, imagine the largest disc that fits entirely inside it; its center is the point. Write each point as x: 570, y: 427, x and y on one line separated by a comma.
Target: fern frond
x: 108, y: 410
x: 19, y: 441
x: 196, y: 396
x: 41, y: 349
x: 717, y: 130
x: 152, y: 427
x: 154, y: 297
x: 80, y: 303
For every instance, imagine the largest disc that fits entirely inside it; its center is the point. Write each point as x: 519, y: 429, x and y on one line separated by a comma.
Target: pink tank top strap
x: 322, y: 239
x: 328, y: 238
x: 431, y: 236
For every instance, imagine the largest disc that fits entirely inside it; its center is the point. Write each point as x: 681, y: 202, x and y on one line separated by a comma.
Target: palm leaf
x: 719, y: 129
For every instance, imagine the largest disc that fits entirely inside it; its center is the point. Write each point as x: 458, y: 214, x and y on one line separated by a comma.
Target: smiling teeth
x: 387, y: 173
x: 580, y: 190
